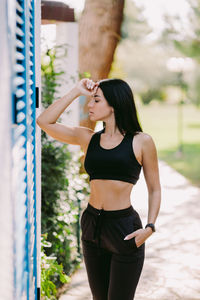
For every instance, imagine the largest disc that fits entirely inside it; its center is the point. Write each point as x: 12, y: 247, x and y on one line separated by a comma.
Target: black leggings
x: 113, y: 264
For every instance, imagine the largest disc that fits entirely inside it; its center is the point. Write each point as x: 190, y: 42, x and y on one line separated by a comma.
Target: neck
x: 111, y: 128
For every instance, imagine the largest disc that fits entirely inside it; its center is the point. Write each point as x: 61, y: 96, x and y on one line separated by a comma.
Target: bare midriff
x: 110, y: 194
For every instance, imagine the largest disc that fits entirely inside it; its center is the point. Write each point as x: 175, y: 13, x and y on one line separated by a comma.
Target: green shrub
x: 49, y: 270
x: 63, y: 189
x: 66, y: 188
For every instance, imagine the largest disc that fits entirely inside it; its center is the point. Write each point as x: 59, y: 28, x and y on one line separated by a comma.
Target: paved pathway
x: 172, y: 266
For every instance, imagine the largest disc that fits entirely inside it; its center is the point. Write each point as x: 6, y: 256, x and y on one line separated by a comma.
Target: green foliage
x: 50, y: 78
x: 195, y: 93
x: 84, y: 75
x: 54, y: 181
x: 138, y: 58
x: 190, y: 45
x: 187, y: 42
x: 153, y: 94
x: 190, y: 49
x: 187, y: 164
x: 61, y: 213
x: 134, y: 26
x: 50, y: 270
x: 63, y: 188
x: 161, y: 122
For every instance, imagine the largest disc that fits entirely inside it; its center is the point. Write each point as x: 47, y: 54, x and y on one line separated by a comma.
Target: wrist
x: 150, y: 226
x: 148, y: 231
x: 75, y: 92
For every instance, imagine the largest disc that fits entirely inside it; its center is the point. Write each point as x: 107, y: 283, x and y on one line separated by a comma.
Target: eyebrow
x: 97, y: 96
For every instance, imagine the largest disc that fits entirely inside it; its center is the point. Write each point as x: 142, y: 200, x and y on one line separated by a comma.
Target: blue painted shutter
x: 23, y: 154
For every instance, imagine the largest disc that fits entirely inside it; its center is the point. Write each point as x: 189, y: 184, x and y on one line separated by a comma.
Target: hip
x: 108, y: 228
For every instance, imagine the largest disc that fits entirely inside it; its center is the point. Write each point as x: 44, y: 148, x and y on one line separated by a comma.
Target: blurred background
x: 46, y: 47
x: 157, y: 52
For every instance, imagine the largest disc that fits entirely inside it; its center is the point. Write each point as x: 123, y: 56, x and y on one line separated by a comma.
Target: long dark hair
x: 119, y: 95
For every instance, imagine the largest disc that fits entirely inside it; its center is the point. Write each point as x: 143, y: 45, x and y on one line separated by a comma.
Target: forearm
x: 154, y: 205
x: 53, y: 112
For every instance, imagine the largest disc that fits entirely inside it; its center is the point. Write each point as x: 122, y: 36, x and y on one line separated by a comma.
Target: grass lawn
x: 160, y: 121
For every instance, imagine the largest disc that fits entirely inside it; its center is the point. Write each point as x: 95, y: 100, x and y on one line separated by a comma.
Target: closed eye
x: 96, y: 100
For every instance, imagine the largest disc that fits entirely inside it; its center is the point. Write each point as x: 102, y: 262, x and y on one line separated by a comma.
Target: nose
x: 90, y: 103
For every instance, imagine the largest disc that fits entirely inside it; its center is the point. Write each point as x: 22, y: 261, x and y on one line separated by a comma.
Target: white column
x: 67, y: 35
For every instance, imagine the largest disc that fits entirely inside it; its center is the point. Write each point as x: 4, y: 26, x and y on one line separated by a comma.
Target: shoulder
x: 86, y: 135
x: 144, y: 137
x: 147, y: 149
x: 145, y: 140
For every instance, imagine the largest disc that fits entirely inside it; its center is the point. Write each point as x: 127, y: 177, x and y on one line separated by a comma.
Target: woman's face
x: 99, y: 109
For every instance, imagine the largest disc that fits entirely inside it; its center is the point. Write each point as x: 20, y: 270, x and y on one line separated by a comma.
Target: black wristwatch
x: 152, y: 226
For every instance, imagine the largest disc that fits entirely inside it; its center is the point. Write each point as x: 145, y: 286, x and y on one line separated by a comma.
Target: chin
x: 92, y: 118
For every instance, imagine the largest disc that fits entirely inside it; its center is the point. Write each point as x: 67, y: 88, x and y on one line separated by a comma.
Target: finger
x: 90, y: 84
x: 94, y: 90
x: 84, y: 83
x: 96, y: 85
x: 93, y: 85
x: 129, y: 236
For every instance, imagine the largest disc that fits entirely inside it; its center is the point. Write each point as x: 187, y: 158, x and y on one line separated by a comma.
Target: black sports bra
x: 118, y: 163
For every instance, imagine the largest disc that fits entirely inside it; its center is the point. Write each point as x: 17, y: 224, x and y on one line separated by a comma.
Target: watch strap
x: 152, y: 226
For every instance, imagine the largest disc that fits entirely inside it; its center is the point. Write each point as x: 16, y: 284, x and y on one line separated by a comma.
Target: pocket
x: 87, y: 226
x: 132, y: 243
x: 129, y: 225
x: 82, y: 219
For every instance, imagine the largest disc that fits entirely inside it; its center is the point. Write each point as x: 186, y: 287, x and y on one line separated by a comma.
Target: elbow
x: 155, y: 190
x: 40, y: 123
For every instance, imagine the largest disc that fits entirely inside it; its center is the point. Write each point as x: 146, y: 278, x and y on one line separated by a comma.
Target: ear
x: 112, y: 109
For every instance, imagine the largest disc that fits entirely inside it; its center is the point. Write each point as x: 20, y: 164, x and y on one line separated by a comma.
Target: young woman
x: 113, y: 238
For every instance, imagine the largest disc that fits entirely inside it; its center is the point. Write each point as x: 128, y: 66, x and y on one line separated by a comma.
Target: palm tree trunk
x: 99, y: 33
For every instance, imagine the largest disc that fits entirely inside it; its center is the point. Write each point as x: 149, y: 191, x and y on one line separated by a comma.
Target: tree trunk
x: 99, y: 33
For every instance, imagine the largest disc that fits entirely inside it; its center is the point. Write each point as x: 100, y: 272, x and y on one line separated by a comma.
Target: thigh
x: 97, y: 262
x: 124, y: 277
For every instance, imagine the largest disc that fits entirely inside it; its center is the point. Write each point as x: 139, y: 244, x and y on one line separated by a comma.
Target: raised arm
x: 47, y: 120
